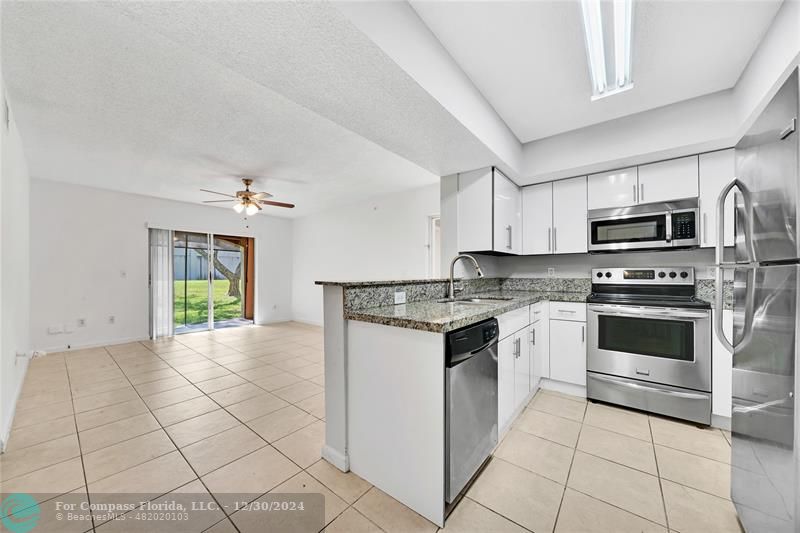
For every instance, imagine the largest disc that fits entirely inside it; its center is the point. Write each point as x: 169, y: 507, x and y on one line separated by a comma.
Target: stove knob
x: 673, y: 275
x: 684, y: 275
x: 662, y: 275
x: 608, y: 274
x: 599, y: 274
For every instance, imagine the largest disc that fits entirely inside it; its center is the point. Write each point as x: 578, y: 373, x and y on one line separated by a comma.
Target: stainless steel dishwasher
x: 471, y: 396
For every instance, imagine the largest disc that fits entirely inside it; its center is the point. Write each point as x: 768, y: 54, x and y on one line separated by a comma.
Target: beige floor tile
x: 583, y: 514
x: 184, y: 410
x: 526, y: 498
x: 298, y: 391
x: 319, y: 380
x: 391, y: 515
x: 304, y: 446
x: 346, y: 485
x: 293, y: 363
x: 191, y: 364
x: 206, y: 374
x: 103, y: 399
x: 624, y: 487
x: 707, y: 442
x: 126, y: 454
x: 41, y: 432
x: 223, y: 448
x: 162, y: 385
x: 309, y: 371
x: 538, y: 455
x: 152, y: 479
x: 693, y: 511
x: 51, y: 516
x: 261, y: 371
x: 314, y: 405
x: 255, y: 407
x: 618, y: 420
x: 200, y: 427
x: 112, y: 413
x: 171, y: 397
x: 277, y: 381
x: 224, y: 526
x: 280, y: 423
x: 618, y: 448
x: 559, y: 406
x: 471, y: 517
x: 220, y: 383
x: 155, y: 375
x: 550, y: 427
x: 255, y: 473
x: 44, y: 399
x: 351, y: 521
x: 236, y: 394
x: 26, y: 460
x: 108, y: 434
x: 694, y: 471
x: 98, y: 387
x: 29, y: 417
x: 240, y: 366
x: 303, y: 483
x: 56, y: 479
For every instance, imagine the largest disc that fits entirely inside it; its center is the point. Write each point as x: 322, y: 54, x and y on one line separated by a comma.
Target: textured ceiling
x: 167, y: 98
x: 529, y: 58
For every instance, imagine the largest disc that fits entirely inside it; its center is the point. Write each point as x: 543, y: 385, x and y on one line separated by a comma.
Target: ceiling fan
x: 248, y: 201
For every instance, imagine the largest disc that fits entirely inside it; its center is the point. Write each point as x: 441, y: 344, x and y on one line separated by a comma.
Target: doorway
x: 213, y: 281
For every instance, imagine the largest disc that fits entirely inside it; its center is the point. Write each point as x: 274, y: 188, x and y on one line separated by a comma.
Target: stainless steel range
x: 649, y: 342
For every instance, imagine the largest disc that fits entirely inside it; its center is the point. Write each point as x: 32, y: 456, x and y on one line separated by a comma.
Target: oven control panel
x: 648, y: 276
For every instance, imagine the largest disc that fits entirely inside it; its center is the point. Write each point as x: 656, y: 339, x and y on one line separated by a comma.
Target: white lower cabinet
x: 522, y: 368
x: 539, y: 344
x: 505, y: 380
x: 568, y: 351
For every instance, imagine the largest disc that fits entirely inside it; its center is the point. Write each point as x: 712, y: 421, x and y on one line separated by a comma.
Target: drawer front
x: 513, y: 321
x: 540, y: 311
x: 568, y: 311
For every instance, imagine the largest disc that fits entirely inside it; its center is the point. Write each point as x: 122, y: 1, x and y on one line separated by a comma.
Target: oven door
x: 656, y: 344
x: 630, y: 232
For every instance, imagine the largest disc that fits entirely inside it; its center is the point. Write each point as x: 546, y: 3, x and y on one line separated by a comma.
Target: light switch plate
x: 399, y: 297
x: 551, y: 272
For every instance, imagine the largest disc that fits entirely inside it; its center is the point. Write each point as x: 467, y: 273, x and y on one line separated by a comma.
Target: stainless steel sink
x: 486, y: 300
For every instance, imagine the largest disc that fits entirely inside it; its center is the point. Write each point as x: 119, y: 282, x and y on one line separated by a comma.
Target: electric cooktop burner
x: 645, y: 287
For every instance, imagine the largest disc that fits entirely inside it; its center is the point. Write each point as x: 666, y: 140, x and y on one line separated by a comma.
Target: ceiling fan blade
x: 260, y: 195
x: 220, y: 193
x: 215, y: 201
x: 276, y: 204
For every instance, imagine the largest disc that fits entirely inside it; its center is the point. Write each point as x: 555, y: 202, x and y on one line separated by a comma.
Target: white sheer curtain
x: 161, y: 284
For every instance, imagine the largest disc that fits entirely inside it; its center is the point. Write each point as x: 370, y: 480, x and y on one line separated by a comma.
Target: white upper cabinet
x: 716, y: 170
x: 507, y: 215
x: 537, y: 219
x: 618, y: 188
x: 489, y: 212
x: 668, y: 180
x: 569, y: 216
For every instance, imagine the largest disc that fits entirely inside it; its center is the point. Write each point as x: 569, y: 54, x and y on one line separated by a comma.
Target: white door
x: 475, y: 211
x: 568, y: 351
x: 537, y: 219
x: 717, y: 169
x: 668, y: 180
x: 522, y: 368
x: 569, y: 216
x: 505, y: 380
x: 540, y: 352
x: 507, y: 215
x: 618, y: 188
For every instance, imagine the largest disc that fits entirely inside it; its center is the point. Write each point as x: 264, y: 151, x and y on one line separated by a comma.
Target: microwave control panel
x: 683, y: 225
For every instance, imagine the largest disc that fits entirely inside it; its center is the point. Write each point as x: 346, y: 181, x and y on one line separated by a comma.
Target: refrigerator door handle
x: 748, y: 223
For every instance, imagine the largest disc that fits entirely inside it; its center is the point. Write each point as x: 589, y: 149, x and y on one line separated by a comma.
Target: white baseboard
x: 336, y: 458
x: 564, y: 388
x: 308, y: 322
x: 91, y: 344
x: 10, y: 422
x: 721, y: 422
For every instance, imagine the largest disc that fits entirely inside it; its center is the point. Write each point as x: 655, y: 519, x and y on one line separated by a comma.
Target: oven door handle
x: 664, y: 315
x: 677, y: 394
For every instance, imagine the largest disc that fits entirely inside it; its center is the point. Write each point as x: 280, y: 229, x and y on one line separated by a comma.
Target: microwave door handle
x: 668, y: 228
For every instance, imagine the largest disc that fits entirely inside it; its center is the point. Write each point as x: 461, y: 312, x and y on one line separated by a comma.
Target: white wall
x: 14, y: 270
x: 379, y: 239
x: 90, y: 260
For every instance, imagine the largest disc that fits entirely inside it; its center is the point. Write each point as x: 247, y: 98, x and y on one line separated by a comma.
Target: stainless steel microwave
x: 644, y: 227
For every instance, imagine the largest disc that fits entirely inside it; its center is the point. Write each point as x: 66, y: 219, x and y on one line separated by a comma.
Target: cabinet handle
x: 641, y: 192
x: 583, y: 334
x: 705, y: 230
x: 635, y: 199
x: 533, y: 337
x: 549, y: 237
x: 508, y: 229
x: 555, y: 240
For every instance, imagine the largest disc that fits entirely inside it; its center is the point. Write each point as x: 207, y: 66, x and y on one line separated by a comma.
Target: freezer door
x: 767, y: 166
x: 764, y: 474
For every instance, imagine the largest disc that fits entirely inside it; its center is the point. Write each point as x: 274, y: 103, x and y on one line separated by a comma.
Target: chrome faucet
x: 451, y: 289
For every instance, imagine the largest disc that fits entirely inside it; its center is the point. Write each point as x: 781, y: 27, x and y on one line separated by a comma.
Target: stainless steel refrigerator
x: 765, y: 467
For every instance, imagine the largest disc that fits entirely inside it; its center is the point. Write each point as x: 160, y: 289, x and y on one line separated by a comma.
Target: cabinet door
x: 537, y: 219
x: 618, y: 188
x: 668, y: 180
x: 507, y: 215
x: 717, y: 169
x: 722, y: 369
x: 475, y: 211
x: 540, y: 352
x: 522, y: 368
x: 568, y: 351
x: 569, y: 216
x: 505, y: 380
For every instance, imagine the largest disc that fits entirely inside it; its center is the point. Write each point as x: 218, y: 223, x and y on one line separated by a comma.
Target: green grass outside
x: 196, y: 312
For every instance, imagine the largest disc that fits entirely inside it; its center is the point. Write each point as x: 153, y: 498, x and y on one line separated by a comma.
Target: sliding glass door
x: 190, y: 266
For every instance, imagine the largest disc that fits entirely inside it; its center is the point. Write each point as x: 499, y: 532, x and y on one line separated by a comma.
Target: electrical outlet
x: 712, y: 272
x: 551, y: 272
x: 399, y: 297
x: 111, y: 319
x: 81, y: 322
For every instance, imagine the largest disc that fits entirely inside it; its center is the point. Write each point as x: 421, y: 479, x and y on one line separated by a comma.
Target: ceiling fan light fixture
x: 238, y: 207
x: 251, y: 209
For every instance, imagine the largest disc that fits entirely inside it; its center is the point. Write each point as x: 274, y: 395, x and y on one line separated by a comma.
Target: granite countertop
x: 443, y: 317
x: 375, y: 283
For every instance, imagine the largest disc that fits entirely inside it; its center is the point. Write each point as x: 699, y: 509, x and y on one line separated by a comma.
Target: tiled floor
x: 242, y: 411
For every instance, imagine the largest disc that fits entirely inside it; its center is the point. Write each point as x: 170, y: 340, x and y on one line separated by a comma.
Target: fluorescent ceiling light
x: 599, y: 65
